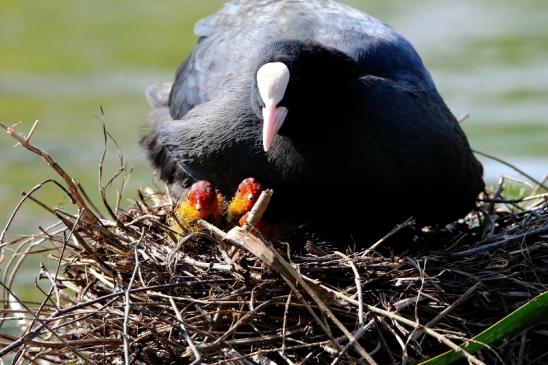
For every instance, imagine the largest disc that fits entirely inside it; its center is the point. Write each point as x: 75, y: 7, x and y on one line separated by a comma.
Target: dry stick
x: 427, y: 330
x: 409, y: 222
x: 358, y: 286
x: 259, y: 208
x: 71, y: 184
x: 422, y: 275
x: 77, y: 236
x: 76, y: 343
x: 14, y: 213
x: 284, y: 324
x: 266, y: 351
x: 447, y: 310
x: 14, y: 263
x: 103, y: 188
x: 357, y: 335
x: 55, y: 316
x: 453, y: 305
x: 80, y: 319
x: 219, y: 233
x: 361, y: 330
x: 120, y: 193
x: 9, y: 348
x: 85, y: 195
x: 392, y: 330
x: 205, y: 265
x: 521, y: 355
x: 271, y: 257
x: 122, y: 168
x: 235, y: 267
x: 230, y: 331
x: 188, y: 340
x: 65, y: 242
x: 44, y: 271
x: 538, y: 183
x: 501, y: 243
x: 128, y: 300
x: 463, y: 118
x: 142, y: 218
x: 408, y: 322
x: 383, y: 340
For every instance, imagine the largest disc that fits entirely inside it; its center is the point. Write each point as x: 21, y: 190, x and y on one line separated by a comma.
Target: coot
x: 330, y: 107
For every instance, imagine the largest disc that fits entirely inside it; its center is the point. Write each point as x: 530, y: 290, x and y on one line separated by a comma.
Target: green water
x: 60, y: 60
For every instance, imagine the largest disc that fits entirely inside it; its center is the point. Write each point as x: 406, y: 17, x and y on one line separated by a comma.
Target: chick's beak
x: 273, y: 119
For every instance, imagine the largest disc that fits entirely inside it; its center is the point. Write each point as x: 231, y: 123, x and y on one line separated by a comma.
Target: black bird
x: 325, y: 104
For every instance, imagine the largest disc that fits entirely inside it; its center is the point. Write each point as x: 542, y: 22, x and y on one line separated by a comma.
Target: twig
x: 357, y: 335
x: 409, y: 222
x: 127, y: 299
x: 17, y: 207
x: 501, y: 243
x: 91, y: 302
x: 357, y: 281
x: 243, y: 239
x: 44, y: 271
x: 463, y: 118
x: 513, y: 167
x: 259, y: 208
x: 21, y: 340
x: 195, y: 352
x: 429, y: 331
x: 453, y: 305
x: 523, y: 345
x: 71, y: 185
x: 272, y: 258
x: 103, y: 187
x: 284, y: 323
x: 219, y: 233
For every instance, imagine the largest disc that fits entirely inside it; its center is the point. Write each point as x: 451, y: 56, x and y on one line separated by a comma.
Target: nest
x: 120, y: 291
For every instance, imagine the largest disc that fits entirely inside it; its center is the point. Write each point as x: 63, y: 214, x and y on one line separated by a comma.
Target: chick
x: 247, y: 194
x: 202, y: 201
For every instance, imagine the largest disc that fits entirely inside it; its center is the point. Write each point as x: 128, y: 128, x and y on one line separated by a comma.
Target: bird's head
x: 204, y: 200
x: 298, y: 86
x: 247, y: 194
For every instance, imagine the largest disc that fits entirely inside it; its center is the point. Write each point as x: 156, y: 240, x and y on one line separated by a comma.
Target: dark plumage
x: 366, y: 128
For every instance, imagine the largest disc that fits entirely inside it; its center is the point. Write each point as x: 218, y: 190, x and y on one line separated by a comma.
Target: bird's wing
x: 157, y: 95
x: 232, y: 37
x: 203, y: 146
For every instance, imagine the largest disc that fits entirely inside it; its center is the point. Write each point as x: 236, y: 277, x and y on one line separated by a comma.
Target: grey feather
x: 233, y: 36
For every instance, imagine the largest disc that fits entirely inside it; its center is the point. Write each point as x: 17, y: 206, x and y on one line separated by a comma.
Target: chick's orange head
x: 247, y: 194
x: 203, y: 198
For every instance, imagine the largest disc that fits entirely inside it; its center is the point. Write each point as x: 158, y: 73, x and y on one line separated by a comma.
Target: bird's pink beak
x: 273, y: 119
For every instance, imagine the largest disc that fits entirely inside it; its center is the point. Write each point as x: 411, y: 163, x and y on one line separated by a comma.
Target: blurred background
x: 61, y: 60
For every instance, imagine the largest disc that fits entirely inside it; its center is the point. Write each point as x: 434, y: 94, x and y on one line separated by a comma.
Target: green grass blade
x: 528, y: 315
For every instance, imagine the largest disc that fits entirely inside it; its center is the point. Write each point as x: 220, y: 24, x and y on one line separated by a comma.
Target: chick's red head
x: 247, y: 194
x: 249, y: 190
x: 204, y: 199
